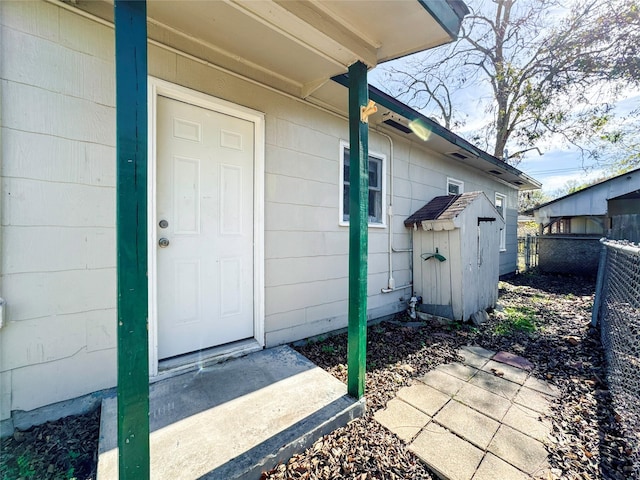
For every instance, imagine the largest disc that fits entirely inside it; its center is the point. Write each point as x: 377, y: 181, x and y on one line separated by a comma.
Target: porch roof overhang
x: 293, y: 46
x: 297, y: 46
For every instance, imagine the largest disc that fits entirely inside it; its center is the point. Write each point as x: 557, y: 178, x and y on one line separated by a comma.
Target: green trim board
x: 131, y: 231
x: 448, y: 14
x: 358, y: 230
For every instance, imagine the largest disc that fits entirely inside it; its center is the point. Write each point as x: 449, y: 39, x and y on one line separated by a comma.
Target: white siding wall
x: 587, y: 225
x: 58, y: 253
x: 58, y: 205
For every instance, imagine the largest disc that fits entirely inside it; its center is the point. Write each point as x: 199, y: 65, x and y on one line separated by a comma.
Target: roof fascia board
x: 445, y: 15
x: 410, y: 114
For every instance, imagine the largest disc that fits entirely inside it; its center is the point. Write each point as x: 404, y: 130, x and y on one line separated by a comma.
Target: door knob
x: 163, y: 242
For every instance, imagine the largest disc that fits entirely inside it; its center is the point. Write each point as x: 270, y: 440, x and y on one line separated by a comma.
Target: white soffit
x: 294, y: 46
x: 399, y: 28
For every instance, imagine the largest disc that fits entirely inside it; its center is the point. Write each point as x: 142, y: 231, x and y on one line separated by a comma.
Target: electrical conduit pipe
x: 391, y: 284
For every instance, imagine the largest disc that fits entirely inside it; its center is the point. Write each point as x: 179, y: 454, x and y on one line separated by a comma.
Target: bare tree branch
x: 551, y: 71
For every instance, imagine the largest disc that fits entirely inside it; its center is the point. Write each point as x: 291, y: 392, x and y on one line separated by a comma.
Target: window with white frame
x: 501, y: 206
x: 377, y: 186
x: 454, y: 187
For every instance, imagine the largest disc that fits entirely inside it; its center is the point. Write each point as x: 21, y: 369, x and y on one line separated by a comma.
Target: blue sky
x: 559, y: 164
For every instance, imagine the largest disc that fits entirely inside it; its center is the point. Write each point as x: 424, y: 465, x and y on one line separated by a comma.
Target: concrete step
x: 236, y: 419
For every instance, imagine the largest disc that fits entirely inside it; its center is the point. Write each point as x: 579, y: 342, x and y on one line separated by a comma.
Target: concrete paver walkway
x: 476, y: 420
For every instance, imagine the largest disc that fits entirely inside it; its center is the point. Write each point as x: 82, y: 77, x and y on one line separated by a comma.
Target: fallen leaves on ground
x: 558, y: 339
x: 64, y: 449
x: 552, y: 331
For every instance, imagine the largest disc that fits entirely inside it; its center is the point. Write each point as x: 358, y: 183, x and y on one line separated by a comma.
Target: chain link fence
x: 527, y: 253
x: 617, y: 309
x: 569, y: 254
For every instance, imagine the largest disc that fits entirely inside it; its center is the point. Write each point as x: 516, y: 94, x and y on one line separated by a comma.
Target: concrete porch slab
x: 235, y: 419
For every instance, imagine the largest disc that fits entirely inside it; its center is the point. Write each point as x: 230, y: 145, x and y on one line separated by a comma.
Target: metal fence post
x: 597, y: 301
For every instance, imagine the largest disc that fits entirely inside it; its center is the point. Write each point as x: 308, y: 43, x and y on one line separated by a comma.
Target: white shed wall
x: 58, y: 205
x: 434, y: 279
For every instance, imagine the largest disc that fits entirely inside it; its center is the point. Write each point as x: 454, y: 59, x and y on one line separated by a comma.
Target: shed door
x: 204, y: 202
x: 488, y: 264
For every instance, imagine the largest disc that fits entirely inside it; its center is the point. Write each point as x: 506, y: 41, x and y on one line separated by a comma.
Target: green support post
x: 358, y: 229
x: 131, y: 225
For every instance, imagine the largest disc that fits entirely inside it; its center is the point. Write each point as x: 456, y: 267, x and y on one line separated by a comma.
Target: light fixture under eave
x: 422, y: 131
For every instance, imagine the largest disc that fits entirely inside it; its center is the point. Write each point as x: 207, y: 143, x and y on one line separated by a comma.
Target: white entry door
x: 204, y: 211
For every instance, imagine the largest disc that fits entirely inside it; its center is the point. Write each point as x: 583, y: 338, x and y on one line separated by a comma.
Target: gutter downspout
x: 391, y: 284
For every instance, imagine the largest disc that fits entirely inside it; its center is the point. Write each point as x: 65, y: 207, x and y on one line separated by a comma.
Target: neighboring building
x: 623, y: 213
x: 527, y: 225
x: 571, y: 226
x: 268, y: 196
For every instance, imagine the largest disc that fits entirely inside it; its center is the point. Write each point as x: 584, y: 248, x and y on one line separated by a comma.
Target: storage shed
x: 456, y: 244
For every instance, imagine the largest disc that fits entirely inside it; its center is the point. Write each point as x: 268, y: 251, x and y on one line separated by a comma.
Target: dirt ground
x: 546, y: 319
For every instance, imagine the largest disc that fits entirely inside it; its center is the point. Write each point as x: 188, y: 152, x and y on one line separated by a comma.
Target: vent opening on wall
x: 458, y: 155
x: 518, y: 182
x: 397, y: 126
x: 495, y: 172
